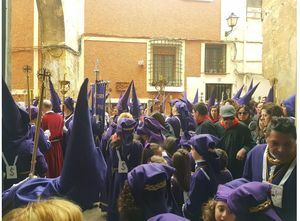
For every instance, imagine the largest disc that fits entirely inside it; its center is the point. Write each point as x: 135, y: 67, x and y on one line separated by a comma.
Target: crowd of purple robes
x: 100, y: 165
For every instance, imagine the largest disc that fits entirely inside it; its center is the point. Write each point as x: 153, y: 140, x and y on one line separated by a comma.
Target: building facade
x: 178, y: 46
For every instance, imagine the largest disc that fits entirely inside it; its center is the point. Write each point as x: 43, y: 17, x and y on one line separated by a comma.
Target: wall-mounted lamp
x: 231, y: 22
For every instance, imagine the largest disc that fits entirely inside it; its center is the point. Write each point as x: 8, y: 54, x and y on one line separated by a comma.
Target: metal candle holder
x: 64, y: 88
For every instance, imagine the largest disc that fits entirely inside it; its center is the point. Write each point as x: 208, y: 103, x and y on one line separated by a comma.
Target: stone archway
x: 57, y: 55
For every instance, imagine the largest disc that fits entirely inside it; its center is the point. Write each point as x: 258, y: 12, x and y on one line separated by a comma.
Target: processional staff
x: 27, y: 70
x: 44, y: 74
x: 100, y: 97
x: 64, y: 88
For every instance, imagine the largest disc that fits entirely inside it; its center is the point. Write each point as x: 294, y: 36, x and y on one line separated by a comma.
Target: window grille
x: 165, y: 62
x: 223, y: 91
x: 215, y: 58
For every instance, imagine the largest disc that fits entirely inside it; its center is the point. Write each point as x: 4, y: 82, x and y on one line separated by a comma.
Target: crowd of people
x: 232, y: 160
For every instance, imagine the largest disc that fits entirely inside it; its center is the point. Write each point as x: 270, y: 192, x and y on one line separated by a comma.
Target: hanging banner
x: 100, y: 102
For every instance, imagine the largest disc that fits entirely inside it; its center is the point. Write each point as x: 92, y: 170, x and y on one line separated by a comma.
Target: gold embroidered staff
x: 64, y: 88
x: 27, y: 70
x: 45, y: 74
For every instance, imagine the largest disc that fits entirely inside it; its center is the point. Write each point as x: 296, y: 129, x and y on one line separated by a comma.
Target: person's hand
x: 47, y: 133
x: 241, y: 154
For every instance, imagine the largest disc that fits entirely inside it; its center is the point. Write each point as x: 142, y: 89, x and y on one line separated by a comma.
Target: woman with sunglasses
x: 243, y: 114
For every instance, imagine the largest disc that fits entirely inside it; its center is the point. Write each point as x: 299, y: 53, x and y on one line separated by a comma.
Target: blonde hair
x: 47, y: 104
x: 208, y: 210
x: 49, y: 210
x: 125, y: 115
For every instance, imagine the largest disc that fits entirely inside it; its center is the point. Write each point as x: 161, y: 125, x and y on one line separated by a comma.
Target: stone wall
x: 279, y: 48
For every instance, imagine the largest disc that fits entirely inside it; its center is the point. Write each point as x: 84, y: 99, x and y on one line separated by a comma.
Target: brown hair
x: 127, y: 207
x: 182, y: 164
x: 223, y: 158
x: 149, y: 151
x: 170, y: 145
x: 208, y: 210
x: 49, y: 210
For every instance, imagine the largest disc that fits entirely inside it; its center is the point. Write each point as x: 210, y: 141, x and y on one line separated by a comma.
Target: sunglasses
x: 242, y: 113
x: 228, y: 118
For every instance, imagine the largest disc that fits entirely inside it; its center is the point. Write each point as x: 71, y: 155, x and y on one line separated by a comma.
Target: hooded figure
x: 187, y: 102
x: 186, y: 119
x: 196, y: 98
x: 249, y: 200
x: 203, y: 182
x: 135, y: 110
x: 83, y: 173
x: 44, y: 143
x: 149, y: 185
x: 55, y: 100
x: 17, y: 146
x: 69, y: 113
x: 124, y: 154
x: 124, y: 100
x: 152, y: 129
x: 211, y: 100
x: 238, y: 93
x: 247, y: 97
x: 289, y: 103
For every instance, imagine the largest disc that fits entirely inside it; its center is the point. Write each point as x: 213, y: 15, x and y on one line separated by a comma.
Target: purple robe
x: 24, y: 151
x: 44, y: 144
x: 224, y: 177
x: 202, y: 189
x: 175, y: 124
x: 253, y: 172
x: 132, y: 155
x: 178, y: 194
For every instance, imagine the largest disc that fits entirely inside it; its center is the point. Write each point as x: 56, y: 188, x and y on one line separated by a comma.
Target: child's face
x: 223, y: 213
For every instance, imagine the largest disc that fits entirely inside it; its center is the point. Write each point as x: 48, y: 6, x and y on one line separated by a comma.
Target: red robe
x: 54, y: 156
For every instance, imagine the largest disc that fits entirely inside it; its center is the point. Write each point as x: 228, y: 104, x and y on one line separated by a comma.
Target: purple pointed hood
x: 124, y: 100
x: 152, y: 128
x: 247, y: 97
x: 196, y: 98
x: 83, y: 173
x: 135, y: 110
x: 55, y: 100
x: 148, y: 182
x: 211, y: 100
x: 187, y: 102
x: 238, y: 93
x: 15, y: 121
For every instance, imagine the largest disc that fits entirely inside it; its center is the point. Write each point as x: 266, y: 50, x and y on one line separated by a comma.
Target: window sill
x: 167, y: 89
x: 215, y: 73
